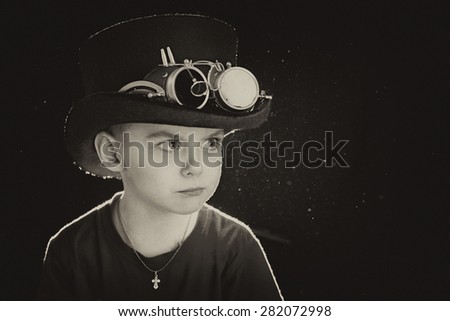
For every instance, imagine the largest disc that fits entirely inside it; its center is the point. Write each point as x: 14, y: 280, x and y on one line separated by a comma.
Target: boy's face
x: 172, y: 169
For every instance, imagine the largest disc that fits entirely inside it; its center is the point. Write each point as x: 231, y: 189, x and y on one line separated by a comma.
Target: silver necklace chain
x: 155, y: 279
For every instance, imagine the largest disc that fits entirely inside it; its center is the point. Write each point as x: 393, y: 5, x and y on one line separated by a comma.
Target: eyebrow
x: 172, y: 135
x: 219, y: 132
x: 162, y: 134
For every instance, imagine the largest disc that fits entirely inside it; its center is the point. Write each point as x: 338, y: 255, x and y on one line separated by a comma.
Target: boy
x: 159, y: 129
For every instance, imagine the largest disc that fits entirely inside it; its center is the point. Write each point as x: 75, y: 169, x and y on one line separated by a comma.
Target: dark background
x: 372, y: 73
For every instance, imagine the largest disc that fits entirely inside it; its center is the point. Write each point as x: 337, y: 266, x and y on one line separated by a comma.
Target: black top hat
x: 127, y: 52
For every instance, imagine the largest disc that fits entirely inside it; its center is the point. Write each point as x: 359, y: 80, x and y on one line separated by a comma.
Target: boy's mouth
x: 194, y: 191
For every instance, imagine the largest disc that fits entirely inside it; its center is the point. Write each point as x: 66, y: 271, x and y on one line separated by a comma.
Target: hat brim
x: 99, y: 111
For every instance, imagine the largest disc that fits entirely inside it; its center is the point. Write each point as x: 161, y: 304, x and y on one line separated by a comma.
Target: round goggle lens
x: 239, y: 88
x: 189, y: 92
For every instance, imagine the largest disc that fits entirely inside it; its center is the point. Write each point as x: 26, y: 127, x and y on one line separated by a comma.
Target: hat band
x: 193, y: 84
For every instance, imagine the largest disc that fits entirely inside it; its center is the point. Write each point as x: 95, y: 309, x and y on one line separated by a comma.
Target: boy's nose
x: 193, y: 163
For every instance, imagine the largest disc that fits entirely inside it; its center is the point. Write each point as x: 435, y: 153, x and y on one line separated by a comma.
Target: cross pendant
x: 155, y: 281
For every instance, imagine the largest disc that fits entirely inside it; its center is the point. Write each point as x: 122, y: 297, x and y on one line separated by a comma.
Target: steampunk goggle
x: 194, y: 83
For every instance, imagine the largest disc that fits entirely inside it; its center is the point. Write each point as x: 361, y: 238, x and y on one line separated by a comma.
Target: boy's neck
x: 138, y: 213
x: 152, y: 232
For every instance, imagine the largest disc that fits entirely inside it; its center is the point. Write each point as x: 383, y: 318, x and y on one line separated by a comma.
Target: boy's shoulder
x: 81, y: 230
x: 227, y: 227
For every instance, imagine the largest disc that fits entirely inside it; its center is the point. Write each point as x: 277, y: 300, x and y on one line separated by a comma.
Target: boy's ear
x: 108, y: 151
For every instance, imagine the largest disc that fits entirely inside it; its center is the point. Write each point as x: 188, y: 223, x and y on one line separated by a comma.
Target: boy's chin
x: 186, y: 211
x: 189, y: 208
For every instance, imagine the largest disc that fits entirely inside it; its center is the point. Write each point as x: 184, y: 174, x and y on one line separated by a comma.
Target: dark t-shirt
x: 220, y: 260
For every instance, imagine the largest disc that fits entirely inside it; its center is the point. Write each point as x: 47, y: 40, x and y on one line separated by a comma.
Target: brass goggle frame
x: 194, y: 83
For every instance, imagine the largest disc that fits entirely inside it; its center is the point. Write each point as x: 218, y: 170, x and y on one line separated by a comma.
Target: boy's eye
x: 213, y: 143
x: 170, y: 145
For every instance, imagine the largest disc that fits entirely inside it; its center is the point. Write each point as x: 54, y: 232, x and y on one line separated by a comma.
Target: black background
x: 372, y: 73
